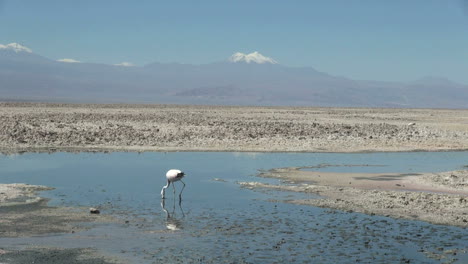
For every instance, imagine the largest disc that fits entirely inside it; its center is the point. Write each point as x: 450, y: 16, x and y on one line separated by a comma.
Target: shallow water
x: 219, y: 222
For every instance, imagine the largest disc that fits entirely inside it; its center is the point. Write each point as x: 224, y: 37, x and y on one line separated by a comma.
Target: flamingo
x: 173, y: 176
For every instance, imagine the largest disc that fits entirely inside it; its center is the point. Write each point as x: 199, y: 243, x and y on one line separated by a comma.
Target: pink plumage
x: 173, y: 176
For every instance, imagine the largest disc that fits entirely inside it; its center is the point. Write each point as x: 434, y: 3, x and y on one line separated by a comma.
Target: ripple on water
x: 219, y: 222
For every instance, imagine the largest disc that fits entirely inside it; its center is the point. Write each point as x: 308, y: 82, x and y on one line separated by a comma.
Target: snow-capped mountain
x: 254, y: 57
x: 15, y: 47
x: 251, y: 79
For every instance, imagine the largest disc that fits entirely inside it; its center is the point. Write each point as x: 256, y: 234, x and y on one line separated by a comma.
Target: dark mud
x: 54, y: 256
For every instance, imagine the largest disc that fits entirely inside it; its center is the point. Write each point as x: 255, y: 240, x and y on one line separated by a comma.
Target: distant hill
x: 243, y: 79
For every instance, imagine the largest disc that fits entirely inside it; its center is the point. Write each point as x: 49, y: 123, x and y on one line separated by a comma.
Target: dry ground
x: 39, y: 127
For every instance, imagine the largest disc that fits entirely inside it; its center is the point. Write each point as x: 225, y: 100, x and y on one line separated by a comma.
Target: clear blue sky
x: 397, y: 40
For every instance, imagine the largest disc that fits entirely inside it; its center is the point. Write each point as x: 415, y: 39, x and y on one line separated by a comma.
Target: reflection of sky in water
x: 20, y: 163
x: 219, y: 220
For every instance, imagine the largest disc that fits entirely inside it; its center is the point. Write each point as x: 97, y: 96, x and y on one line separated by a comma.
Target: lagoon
x: 219, y: 222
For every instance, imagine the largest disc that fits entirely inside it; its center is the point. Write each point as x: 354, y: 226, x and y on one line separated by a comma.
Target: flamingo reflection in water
x: 172, y: 223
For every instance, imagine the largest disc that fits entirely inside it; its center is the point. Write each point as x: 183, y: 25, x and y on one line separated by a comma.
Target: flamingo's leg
x: 180, y: 194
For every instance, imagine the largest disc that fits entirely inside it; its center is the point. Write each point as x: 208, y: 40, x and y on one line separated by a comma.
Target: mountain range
x: 242, y: 79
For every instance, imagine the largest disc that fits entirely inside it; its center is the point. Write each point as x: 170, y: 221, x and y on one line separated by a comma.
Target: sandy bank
x: 440, y: 198
x: 24, y: 213
x: 50, y: 127
x: 20, y: 194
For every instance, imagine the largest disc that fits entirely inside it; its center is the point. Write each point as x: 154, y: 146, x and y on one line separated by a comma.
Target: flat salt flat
x: 46, y: 127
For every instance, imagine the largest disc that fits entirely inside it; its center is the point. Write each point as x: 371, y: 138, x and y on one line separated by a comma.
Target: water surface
x: 219, y: 222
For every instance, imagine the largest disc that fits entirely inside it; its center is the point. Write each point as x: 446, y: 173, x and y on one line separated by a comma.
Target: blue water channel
x: 220, y: 222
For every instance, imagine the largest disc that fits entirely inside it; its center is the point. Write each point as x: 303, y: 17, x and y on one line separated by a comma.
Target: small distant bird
x: 173, y: 176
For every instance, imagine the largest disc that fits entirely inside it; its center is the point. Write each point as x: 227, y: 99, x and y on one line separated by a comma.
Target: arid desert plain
x: 68, y: 127
x: 433, y: 197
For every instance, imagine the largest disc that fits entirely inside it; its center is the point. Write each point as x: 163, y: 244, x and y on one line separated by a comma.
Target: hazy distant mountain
x: 254, y: 57
x: 252, y: 79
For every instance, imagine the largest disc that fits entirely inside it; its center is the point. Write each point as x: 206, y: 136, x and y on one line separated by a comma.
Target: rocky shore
x: 69, y: 127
